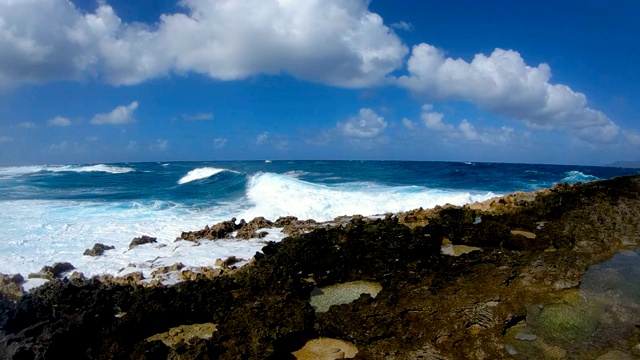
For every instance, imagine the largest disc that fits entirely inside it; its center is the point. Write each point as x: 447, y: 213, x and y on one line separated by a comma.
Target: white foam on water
x: 90, y: 168
x: 38, y: 232
x: 577, y: 176
x: 201, y: 173
x: 275, y: 195
x: 22, y: 170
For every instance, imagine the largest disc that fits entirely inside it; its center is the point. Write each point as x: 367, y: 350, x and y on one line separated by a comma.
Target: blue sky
x: 86, y: 81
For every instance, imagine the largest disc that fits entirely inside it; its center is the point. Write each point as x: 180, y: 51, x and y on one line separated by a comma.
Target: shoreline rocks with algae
x: 536, y: 249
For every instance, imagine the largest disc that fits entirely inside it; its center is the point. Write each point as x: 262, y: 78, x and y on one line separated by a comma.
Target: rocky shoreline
x: 492, y: 280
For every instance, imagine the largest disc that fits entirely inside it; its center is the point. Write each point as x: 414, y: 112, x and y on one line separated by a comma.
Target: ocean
x: 53, y: 213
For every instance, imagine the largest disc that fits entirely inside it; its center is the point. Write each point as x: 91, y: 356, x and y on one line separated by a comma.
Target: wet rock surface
x: 489, y: 304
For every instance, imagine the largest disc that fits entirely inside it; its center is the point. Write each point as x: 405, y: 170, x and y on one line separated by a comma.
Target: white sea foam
x: 200, y: 173
x: 38, y: 232
x: 577, y: 176
x: 274, y: 195
x: 93, y: 168
x: 22, y: 170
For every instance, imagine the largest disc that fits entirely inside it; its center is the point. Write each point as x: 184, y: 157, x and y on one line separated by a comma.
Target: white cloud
x: 120, y: 115
x: 464, y: 131
x: 504, y: 84
x: 219, y: 143
x: 276, y: 141
x: 633, y: 137
x: 408, y: 124
x: 402, y: 25
x: 27, y: 125
x: 262, y: 138
x: 366, y: 125
x: 159, y: 145
x: 433, y: 120
x: 336, y: 42
x: 198, y: 117
x: 59, y: 121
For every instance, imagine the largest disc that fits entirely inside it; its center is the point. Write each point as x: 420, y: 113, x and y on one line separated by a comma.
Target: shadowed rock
x: 99, y: 249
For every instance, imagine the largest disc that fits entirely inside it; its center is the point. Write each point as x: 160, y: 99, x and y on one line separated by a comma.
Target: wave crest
x: 274, y: 195
x: 578, y: 176
x: 201, y: 173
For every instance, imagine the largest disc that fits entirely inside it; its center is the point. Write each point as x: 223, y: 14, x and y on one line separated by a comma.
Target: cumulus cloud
x: 432, y: 119
x: 118, y: 116
x: 366, y: 125
x: 504, y: 84
x: 465, y: 131
x: 408, y: 124
x: 198, y: 117
x: 336, y: 42
x: 59, y: 121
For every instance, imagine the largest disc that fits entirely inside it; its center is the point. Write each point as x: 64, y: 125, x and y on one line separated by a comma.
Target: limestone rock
x: 326, y: 349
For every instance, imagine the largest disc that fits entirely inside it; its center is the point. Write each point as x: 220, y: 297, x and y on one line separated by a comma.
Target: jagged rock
x: 228, y: 261
x: 98, y: 249
x: 11, y: 286
x: 52, y: 272
x: 166, y: 269
x: 215, y: 232
x: 249, y: 231
x: 144, y: 239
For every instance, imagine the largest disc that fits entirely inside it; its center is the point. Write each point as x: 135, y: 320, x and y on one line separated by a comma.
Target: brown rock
x: 11, y: 286
x: 52, y: 272
x: 249, y: 231
x: 144, y: 239
x: 98, y: 249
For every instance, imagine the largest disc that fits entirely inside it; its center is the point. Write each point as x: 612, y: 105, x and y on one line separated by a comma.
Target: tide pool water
x: 53, y: 213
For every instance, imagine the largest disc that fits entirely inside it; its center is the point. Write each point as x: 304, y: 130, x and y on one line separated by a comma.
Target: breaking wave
x: 201, y: 173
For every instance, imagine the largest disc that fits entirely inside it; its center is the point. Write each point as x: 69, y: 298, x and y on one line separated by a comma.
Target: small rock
x: 511, y: 350
x: 98, y: 249
x: 228, y: 261
x: 144, y: 239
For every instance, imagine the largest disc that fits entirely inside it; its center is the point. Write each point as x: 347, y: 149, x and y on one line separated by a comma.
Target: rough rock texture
x: 144, y: 239
x: 11, y: 286
x: 249, y: 231
x: 52, y: 272
x: 98, y: 249
x: 432, y: 306
x: 215, y: 232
